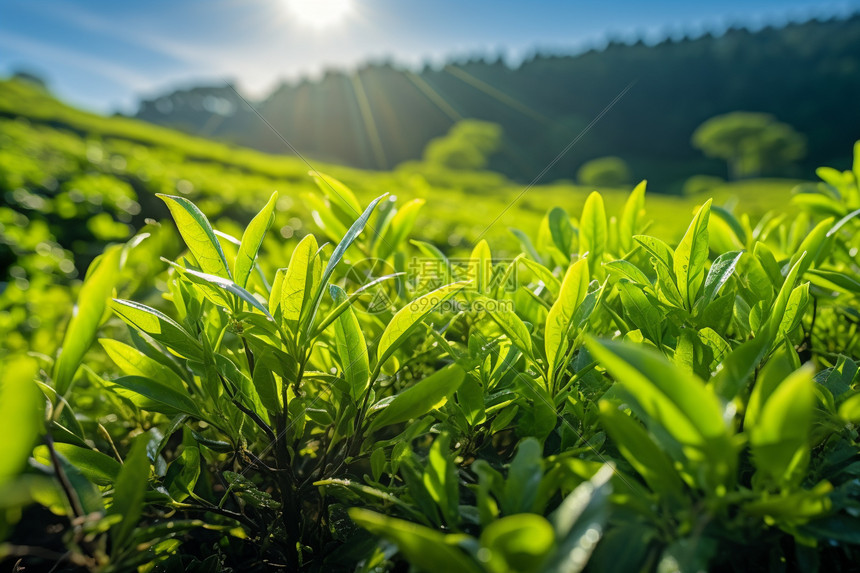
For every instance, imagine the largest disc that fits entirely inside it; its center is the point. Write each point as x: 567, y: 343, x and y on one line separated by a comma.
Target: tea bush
x: 603, y: 399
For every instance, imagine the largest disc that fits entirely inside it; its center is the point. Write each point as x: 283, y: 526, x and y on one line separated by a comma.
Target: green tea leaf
x: 198, y: 235
x: 470, y: 398
x: 844, y: 220
x: 813, y: 243
x: 574, y: 287
x: 524, y: 476
x: 511, y: 324
x: 351, y: 235
x: 227, y: 288
x: 21, y: 406
x: 738, y: 366
x: 351, y: 347
x: 561, y: 230
x: 159, y: 326
x: 691, y: 254
x: 579, y: 522
x: 777, y: 312
x: 592, y: 232
x: 440, y: 478
x: 409, y: 317
x: 481, y: 267
x: 247, y: 490
x: 781, y: 364
x: 725, y: 216
x: 544, y: 275
x: 624, y: 548
x: 276, y: 292
x: 299, y: 281
x: 85, y: 490
x: 662, y: 253
x: 184, y: 471
x: 779, y: 439
x: 424, y: 396
x: 667, y: 290
x: 347, y: 303
x: 687, y: 554
x: 399, y: 228
x: 677, y: 401
x: 794, y: 310
x: 639, y: 449
x: 329, y: 218
x: 764, y: 255
x: 431, y: 251
x: 716, y: 343
x: 95, y: 466
x: 720, y: 272
x: 424, y: 548
x: 518, y: 542
x: 337, y: 193
x: 129, y: 491
x: 644, y: 313
x: 527, y: 245
x: 173, y: 400
x: 251, y: 241
x: 540, y: 418
x: 634, y: 210
x: 132, y: 361
x: 849, y: 411
x: 92, y: 301
x: 834, y: 280
x: 377, y: 463
x: 626, y: 269
x: 263, y: 379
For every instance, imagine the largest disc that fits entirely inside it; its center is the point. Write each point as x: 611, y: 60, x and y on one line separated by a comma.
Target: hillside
x: 381, y: 115
x: 71, y: 181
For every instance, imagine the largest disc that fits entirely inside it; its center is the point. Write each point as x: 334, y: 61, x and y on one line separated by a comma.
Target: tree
x: 604, y: 172
x: 751, y: 143
x: 700, y: 184
x: 467, y: 145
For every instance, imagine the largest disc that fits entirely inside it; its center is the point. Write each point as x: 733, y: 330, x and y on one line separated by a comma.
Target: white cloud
x: 73, y: 58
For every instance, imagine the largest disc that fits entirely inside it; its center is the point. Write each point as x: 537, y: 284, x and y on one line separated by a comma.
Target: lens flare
x: 319, y: 13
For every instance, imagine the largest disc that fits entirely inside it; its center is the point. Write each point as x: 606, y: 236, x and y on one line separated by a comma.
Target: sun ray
x: 369, y: 123
x: 494, y: 93
x: 434, y: 96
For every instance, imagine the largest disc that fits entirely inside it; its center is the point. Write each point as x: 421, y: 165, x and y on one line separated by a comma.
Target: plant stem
x: 247, y: 411
x: 74, y: 501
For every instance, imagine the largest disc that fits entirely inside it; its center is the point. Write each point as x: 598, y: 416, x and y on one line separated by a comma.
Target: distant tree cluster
x: 468, y: 145
x: 604, y: 172
x: 751, y: 143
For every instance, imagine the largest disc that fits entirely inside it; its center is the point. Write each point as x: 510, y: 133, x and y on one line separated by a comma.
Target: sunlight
x: 319, y: 14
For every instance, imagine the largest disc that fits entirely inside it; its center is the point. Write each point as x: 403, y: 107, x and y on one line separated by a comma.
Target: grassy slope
x: 460, y: 206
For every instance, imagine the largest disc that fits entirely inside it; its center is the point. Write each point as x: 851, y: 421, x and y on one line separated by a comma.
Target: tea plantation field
x: 422, y: 369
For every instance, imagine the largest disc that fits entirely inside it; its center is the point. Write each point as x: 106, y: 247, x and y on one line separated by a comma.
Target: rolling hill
x: 72, y: 181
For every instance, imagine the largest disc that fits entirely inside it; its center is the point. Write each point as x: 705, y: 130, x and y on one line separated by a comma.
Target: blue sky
x: 104, y: 55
